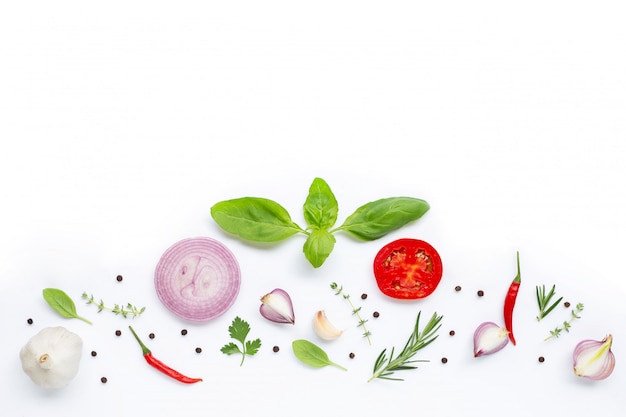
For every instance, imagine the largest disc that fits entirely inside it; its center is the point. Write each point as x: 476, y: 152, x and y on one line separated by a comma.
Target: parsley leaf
x: 239, y: 330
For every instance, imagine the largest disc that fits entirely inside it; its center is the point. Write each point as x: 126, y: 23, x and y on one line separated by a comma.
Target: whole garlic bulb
x: 51, y: 357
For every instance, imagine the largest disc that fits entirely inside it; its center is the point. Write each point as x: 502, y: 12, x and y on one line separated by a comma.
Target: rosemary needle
x: 385, y: 366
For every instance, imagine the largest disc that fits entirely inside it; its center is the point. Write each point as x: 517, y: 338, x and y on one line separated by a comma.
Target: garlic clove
x: 489, y: 338
x: 324, y: 328
x: 276, y: 306
x: 593, y: 359
x: 51, y: 358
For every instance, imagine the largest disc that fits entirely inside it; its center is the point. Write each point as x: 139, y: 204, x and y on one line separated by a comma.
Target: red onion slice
x: 197, y: 279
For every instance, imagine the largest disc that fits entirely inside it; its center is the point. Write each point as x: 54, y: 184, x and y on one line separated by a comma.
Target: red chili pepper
x: 157, y: 364
x: 509, y: 302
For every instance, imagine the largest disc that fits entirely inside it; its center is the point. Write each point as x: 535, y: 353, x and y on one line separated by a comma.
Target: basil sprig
x: 262, y: 220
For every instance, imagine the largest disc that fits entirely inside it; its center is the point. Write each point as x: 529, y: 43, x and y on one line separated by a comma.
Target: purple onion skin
x: 608, y: 366
x: 268, y: 311
x: 482, y: 331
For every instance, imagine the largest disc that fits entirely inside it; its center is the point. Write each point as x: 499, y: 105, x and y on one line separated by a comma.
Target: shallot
x: 489, y: 338
x: 593, y: 359
x: 276, y: 306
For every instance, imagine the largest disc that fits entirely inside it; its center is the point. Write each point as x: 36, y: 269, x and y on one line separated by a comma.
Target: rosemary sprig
x: 566, y: 324
x: 355, y: 311
x: 385, y: 366
x: 543, y: 300
x: 125, y: 311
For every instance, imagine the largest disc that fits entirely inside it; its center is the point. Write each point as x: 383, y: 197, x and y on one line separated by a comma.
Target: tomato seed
x: 275, y: 348
x: 351, y: 355
x: 104, y: 379
x: 480, y: 293
x: 452, y: 333
x: 29, y: 321
x: 541, y: 359
x: 151, y: 335
x: 457, y: 288
x: 119, y: 278
x: 183, y: 332
x: 363, y: 296
x: 198, y: 350
x: 94, y: 353
x: 118, y: 333
x: 444, y: 360
x: 376, y: 314
x: 566, y: 304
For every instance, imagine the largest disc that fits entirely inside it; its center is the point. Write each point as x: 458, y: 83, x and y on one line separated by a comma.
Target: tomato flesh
x: 408, y: 269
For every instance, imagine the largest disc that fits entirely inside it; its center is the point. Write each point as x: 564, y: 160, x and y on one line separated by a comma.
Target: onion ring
x: 197, y: 279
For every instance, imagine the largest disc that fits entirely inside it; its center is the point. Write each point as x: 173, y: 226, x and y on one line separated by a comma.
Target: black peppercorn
x: 351, y: 355
x: 452, y: 333
x: 541, y: 359
x: 480, y: 293
x: 29, y: 321
x: 104, y: 379
x: 363, y: 296
x: 119, y: 278
x: 94, y: 353
x: 566, y: 304
x: 444, y: 360
x: 275, y: 348
x: 183, y: 332
x: 376, y: 314
x: 151, y: 335
x: 457, y: 288
x: 198, y: 350
x: 118, y: 333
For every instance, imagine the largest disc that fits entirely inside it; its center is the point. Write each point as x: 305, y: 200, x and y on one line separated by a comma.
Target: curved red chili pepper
x: 509, y: 302
x: 157, y: 364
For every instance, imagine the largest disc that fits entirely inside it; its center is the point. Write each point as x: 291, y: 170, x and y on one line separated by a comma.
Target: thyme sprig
x: 355, y: 310
x: 118, y: 309
x: 543, y: 301
x: 385, y: 365
x: 566, y: 324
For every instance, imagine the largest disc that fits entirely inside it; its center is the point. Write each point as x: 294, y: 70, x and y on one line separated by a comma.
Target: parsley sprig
x: 239, y: 330
x: 385, y: 365
x: 543, y: 301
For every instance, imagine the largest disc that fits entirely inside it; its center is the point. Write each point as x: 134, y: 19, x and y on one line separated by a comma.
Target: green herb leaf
x: 255, y: 219
x: 117, y: 309
x: 385, y: 366
x: 320, y: 207
x: 239, y: 330
x: 377, y: 218
x: 312, y: 355
x: 543, y: 301
x: 318, y: 246
x: 62, y: 303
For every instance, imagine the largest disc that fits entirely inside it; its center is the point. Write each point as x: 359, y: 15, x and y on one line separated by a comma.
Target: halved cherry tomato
x: 407, y: 269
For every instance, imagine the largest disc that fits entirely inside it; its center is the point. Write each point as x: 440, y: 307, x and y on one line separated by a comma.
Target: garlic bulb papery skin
x: 324, y: 328
x: 489, y: 338
x: 276, y: 306
x: 51, y: 358
x: 593, y: 359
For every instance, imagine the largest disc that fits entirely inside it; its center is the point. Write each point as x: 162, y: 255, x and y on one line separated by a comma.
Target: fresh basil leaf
x: 320, y: 207
x: 62, y: 303
x: 312, y: 355
x: 377, y: 218
x: 318, y: 246
x: 255, y: 219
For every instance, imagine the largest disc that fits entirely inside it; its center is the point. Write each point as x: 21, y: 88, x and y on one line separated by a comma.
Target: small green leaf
x: 255, y: 219
x: 312, y: 355
x: 320, y: 207
x: 239, y: 329
x: 62, y: 303
x: 253, y: 346
x: 377, y: 218
x: 318, y: 246
x: 230, y: 349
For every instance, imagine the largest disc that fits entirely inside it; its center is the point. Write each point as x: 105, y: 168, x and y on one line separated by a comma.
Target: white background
x: 122, y: 123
